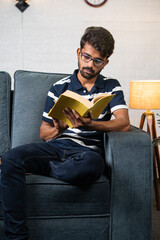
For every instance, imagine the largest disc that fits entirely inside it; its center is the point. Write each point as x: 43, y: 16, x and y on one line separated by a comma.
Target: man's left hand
x: 76, y: 120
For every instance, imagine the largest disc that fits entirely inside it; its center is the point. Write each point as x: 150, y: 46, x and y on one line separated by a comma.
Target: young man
x: 72, y: 155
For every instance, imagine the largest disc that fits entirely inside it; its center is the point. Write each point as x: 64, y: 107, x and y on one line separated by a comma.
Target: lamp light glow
x: 145, y: 94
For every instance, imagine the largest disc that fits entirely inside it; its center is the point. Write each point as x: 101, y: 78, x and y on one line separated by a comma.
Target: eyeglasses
x: 97, y: 62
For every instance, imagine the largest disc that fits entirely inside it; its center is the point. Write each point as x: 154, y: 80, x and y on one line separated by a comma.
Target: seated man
x: 72, y: 155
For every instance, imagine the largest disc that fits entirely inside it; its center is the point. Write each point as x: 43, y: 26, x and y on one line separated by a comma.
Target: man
x: 72, y: 155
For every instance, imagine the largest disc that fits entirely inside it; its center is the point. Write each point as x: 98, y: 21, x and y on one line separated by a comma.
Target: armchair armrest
x: 129, y: 160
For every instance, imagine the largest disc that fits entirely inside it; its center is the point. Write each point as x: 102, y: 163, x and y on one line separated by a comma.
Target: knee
x: 10, y: 162
x: 82, y: 169
x: 91, y: 167
x: 94, y: 161
x: 8, y: 156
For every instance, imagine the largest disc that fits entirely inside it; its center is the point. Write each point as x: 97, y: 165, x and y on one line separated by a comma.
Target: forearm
x: 48, y: 132
x: 120, y: 123
x: 114, y: 125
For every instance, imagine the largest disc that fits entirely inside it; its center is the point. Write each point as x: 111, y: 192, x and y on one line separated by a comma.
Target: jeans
x: 62, y: 160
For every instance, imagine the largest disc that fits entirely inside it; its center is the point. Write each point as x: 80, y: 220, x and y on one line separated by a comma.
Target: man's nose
x: 91, y: 63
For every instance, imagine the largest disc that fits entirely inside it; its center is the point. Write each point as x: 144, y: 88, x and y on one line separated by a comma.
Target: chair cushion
x: 30, y: 89
x: 5, y: 93
x: 51, y: 197
x: 61, y: 210
x: 72, y: 228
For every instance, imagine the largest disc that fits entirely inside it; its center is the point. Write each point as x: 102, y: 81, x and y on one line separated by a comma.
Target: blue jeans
x: 62, y: 160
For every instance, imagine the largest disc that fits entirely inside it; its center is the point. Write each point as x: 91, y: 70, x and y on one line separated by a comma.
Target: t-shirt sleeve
x: 52, y: 97
x: 118, y: 102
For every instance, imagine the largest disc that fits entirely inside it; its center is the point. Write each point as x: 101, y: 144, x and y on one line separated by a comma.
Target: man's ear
x: 78, y: 52
x: 106, y: 62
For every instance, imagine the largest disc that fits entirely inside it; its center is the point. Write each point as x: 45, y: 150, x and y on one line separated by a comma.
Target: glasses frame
x: 92, y: 59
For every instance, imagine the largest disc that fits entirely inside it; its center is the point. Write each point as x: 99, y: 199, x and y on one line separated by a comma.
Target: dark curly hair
x: 100, y: 38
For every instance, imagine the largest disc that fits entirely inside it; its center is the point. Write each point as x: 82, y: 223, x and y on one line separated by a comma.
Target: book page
x: 78, y: 97
x: 100, y: 105
x: 95, y: 99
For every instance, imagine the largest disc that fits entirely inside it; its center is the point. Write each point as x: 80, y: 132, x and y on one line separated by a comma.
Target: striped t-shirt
x: 91, y: 139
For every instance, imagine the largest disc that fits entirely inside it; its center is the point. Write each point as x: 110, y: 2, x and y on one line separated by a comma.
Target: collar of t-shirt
x: 76, y: 85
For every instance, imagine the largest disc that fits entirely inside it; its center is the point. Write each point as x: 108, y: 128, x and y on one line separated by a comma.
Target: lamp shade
x: 144, y: 94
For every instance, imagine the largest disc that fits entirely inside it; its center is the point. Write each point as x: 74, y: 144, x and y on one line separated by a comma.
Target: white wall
x: 46, y: 36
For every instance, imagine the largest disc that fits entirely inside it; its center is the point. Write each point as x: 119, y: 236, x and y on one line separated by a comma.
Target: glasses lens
x: 85, y: 58
x: 98, y: 63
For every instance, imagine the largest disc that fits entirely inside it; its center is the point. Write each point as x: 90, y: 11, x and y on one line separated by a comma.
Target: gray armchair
x: 5, y: 97
x: 116, y: 207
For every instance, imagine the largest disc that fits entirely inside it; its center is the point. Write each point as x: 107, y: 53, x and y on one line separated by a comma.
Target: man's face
x: 89, y: 68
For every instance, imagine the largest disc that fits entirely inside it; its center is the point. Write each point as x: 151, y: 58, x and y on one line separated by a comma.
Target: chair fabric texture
x: 116, y: 207
x: 5, y: 95
x: 30, y: 92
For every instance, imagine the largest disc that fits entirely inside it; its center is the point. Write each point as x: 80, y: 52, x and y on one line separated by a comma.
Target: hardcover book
x: 76, y: 102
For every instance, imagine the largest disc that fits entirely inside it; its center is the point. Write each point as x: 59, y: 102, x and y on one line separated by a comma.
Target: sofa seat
x: 52, y: 204
x: 64, y: 199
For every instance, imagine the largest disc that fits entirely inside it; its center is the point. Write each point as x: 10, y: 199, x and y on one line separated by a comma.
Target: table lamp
x: 145, y: 94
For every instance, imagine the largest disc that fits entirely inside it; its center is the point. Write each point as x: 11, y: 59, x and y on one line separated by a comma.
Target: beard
x: 88, y: 73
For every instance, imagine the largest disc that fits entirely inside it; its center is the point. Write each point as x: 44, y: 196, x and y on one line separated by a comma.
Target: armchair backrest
x: 30, y: 92
x: 5, y: 94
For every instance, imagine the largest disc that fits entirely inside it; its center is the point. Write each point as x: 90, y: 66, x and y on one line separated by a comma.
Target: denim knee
x: 90, y: 166
x: 10, y: 162
x: 93, y: 162
x: 82, y: 168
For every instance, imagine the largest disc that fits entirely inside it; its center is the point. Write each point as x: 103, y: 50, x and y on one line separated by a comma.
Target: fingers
x: 76, y: 120
x: 73, y: 117
x: 59, y: 124
x: 90, y: 115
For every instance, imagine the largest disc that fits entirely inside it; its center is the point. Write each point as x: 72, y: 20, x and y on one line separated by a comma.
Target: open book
x: 76, y: 102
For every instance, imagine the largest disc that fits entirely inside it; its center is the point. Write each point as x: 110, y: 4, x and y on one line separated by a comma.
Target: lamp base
x: 22, y: 5
x: 151, y: 129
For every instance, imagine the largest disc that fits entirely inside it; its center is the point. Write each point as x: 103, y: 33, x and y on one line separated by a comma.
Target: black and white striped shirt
x: 91, y: 139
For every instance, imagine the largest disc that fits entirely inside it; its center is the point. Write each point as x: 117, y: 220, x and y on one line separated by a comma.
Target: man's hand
x: 50, y: 131
x: 59, y: 125
x: 76, y: 120
x: 119, y: 123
